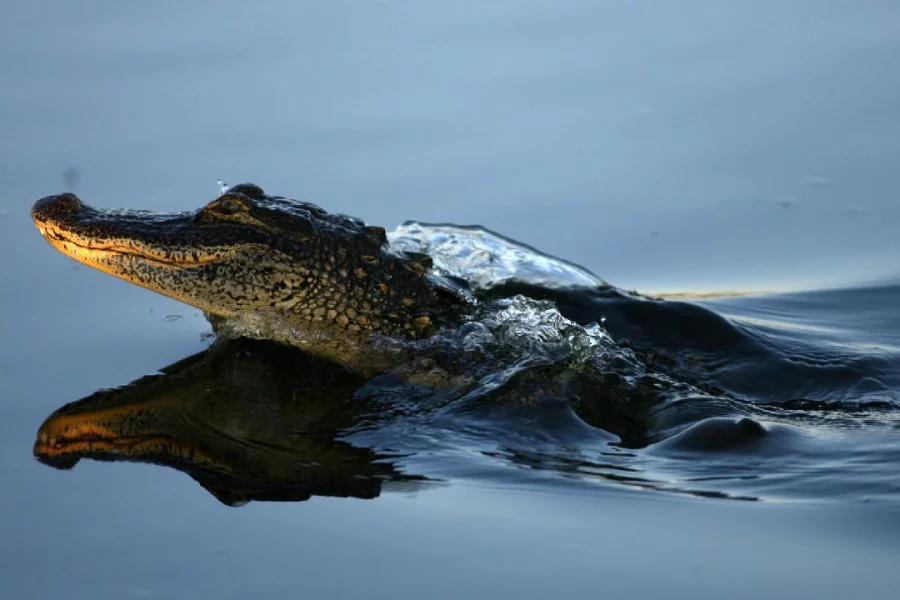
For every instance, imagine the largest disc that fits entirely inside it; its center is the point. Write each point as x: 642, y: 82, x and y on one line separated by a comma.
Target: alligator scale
x: 269, y: 267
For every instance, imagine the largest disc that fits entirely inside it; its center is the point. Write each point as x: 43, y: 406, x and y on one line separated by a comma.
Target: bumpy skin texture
x: 267, y: 267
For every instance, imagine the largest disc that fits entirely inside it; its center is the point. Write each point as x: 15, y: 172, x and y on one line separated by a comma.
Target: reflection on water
x: 247, y: 420
x: 251, y: 420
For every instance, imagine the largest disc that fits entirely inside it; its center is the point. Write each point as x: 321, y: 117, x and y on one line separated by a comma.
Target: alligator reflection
x: 247, y: 420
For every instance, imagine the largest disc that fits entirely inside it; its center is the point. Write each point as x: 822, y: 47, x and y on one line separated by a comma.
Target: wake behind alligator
x: 435, y: 352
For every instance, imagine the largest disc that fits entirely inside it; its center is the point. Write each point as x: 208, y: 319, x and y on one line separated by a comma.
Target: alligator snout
x: 56, y: 206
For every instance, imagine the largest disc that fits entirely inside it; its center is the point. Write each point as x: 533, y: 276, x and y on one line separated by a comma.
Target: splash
x: 487, y: 260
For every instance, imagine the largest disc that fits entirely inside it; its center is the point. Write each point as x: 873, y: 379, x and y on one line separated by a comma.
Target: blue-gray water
x: 665, y: 146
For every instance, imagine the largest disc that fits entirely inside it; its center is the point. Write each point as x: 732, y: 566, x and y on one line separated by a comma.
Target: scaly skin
x: 266, y: 267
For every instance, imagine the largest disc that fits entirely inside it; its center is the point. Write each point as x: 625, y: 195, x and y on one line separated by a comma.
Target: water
x: 668, y: 149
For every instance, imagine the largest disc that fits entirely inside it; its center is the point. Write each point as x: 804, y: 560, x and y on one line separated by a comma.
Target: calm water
x: 664, y: 148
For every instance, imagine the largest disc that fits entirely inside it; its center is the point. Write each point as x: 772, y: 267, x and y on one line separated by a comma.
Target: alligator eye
x: 229, y: 206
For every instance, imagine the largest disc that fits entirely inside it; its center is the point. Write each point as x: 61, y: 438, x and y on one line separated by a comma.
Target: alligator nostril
x: 68, y: 203
x: 54, y: 207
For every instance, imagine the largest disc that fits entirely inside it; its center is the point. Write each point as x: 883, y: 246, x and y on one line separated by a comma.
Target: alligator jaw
x: 167, y: 253
x: 101, y: 255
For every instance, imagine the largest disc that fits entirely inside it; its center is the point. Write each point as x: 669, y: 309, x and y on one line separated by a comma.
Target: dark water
x: 665, y: 148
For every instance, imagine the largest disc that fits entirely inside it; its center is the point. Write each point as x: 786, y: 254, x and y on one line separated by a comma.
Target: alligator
x: 327, y: 287
x: 272, y: 267
x: 283, y: 270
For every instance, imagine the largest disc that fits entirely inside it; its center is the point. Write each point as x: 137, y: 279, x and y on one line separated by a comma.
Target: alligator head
x: 264, y: 266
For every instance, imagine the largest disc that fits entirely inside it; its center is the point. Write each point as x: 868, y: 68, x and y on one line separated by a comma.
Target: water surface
x: 665, y: 148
